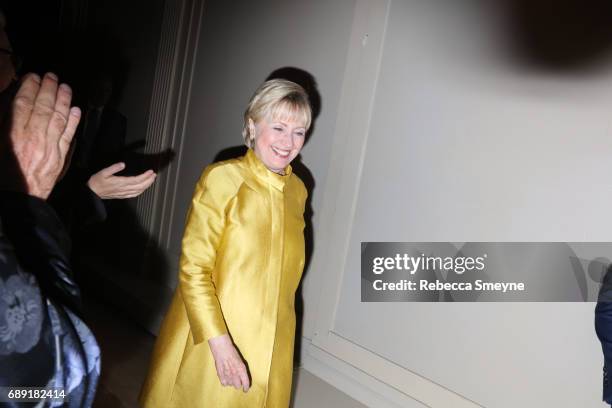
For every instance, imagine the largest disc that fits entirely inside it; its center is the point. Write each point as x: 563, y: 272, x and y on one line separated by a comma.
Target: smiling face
x: 278, y: 140
x: 276, y: 121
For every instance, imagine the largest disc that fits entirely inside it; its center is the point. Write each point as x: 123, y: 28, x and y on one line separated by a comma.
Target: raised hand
x: 39, y: 137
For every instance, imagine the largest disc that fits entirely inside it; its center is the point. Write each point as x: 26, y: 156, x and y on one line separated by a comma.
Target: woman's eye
x: 278, y: 129
x: 300, y: 134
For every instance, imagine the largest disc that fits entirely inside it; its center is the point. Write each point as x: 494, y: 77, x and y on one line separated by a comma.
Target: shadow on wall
x: 308, y: 82
x: 561, y: 35
x: 117, y: 262
x: 116, y: 259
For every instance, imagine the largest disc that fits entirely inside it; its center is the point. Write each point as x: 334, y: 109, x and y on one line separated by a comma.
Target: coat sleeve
x: 203, y: 232
x: 33, y: 227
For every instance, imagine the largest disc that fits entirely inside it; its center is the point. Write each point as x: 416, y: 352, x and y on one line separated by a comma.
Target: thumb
x: 112, y: 169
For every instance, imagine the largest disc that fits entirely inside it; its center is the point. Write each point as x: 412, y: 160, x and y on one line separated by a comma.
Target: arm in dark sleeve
x: 41, y: 245
x: 75, y: 203
x: 90, y: 207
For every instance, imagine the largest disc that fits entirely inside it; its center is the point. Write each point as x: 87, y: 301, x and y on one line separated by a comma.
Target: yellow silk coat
x: 241, y: 262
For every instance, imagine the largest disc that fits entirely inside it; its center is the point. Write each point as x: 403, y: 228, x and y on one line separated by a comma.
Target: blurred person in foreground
x: 93, y: 173
x: 227, y: 340
x: 43, y: 341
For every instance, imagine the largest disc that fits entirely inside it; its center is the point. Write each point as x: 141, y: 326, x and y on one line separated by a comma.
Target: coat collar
x: 266, y: 175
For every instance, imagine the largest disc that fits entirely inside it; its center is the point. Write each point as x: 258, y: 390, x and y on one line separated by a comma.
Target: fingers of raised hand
x: 66, y: 138
x: 61, y: 111
x: 42, y: 128
x: 23, y: 103
x: 43, y: 116
x: 41, y: 109
x: 62, y: 102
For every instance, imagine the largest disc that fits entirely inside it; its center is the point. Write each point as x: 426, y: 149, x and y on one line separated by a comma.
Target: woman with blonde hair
x: 227, y: 339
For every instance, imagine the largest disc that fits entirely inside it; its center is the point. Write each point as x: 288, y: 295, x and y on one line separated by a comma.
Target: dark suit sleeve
x: 75, y: 203
x: 90, y: 207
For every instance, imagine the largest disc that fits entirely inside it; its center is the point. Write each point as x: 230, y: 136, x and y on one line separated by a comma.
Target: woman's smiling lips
x: 281, y: 152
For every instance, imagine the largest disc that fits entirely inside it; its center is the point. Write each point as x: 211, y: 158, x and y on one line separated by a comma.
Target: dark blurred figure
x: 92, y: 175
x: 43, y: 341
x: 603, y: 327
x: 102, y: 126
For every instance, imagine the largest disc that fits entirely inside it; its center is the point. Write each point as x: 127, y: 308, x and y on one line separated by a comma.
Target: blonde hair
x: 277, y: 99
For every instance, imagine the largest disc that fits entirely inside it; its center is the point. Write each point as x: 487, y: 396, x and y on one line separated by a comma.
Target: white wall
x: 432, y: 128
x: 468, y: 142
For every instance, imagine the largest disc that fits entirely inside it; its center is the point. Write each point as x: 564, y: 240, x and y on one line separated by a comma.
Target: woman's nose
x: 287, y: 140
